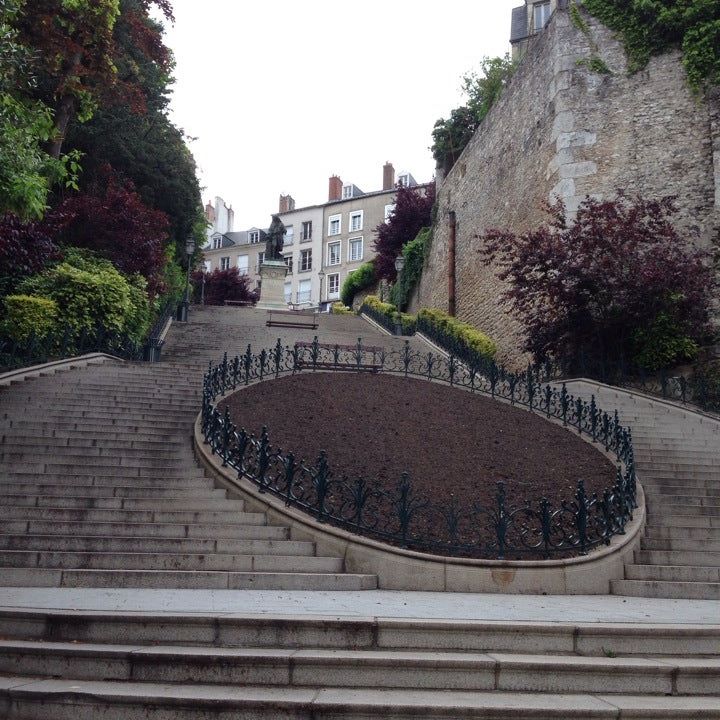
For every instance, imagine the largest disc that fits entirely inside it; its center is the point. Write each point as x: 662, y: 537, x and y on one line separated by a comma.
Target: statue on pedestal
x: 275, y: 239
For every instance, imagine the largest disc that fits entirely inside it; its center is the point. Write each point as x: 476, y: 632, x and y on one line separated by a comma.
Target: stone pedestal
x: 272, y: 285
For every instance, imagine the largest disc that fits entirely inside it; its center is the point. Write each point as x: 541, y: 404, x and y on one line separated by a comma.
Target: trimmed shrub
x: 337, y: 308
x: 360, y: 279
x: 387, y: 315
x: 27, y: 316
x: 92, y: 297
x: 454, y: 335
x: 222, y: 285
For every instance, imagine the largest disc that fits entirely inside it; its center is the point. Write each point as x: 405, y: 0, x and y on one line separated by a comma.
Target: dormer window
x: 541, y: 14
x: 347, y: 192
x: 217, y: 242
x: 254, y: 237
x: 403, y: 180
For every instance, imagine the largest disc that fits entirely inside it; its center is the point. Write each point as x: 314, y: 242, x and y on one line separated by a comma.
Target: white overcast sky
x: 281, y: 94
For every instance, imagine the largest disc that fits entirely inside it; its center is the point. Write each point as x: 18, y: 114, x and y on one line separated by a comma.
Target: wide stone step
x: 195, y: 479
x: 169, y: 561
x: 666, y: 589
x: 94, y: 543
x: 109, y: 503
x: 129, y: 491
x: 167, y: 530
x: 673, y: 573
x: 690, y: 468
x: 59, y: 466
x: 89, y: 700
x: 709, y: 498
x: 703, y: 558
x: 660, y: 518
x: 681, y: 532
x: 14, y: 428
x: 42, y: 447
x: 682, y: 545
x: 48, y: 460
x: 308, y: 631
x: 181, y: 579
x: 667, y: 508
x: 672, y: 484
x: 361, y: 668
x: 130, y: 516
x: 87, y: 443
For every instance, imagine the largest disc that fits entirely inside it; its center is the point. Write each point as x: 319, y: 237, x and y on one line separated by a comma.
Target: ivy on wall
x: 651, y: 27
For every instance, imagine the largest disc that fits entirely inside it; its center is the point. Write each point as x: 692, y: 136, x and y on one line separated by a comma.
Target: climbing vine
x: 651, y: 27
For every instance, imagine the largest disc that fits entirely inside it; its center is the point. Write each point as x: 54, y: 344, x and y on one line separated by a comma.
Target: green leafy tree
x: 451, y: 135
x: 27, y: 171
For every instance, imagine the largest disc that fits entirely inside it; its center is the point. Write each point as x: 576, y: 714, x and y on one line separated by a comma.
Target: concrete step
x: 666, y: 589
x: 88, y: 443
x: 673, y: 573
x: 169, y: 561
x: 680, y: 545
x: 109, y: 503
x: 680, y: 510
x: 257, y: 531
x: 677, y: 485
x: 681, y: 532
x: 710, y: 498
x: 95, y: 543
x: 180, y: 579
x: 679, y: 520
x: 130, y: 516
x: 139, y: 490
x: 361, y: 668
x: 89, y: 700
x: 697, y: 557
x: 369, y: 633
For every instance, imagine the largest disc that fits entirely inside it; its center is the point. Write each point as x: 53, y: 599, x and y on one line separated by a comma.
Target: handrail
x: 535, y: 528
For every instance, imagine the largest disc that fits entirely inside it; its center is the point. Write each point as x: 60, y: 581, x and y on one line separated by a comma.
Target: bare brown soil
x: 449, y: 440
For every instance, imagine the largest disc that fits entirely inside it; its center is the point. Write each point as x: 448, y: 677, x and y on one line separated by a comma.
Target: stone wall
x: 561, y: 129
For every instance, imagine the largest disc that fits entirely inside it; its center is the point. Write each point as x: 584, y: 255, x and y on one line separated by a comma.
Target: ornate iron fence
x: 510, y: 528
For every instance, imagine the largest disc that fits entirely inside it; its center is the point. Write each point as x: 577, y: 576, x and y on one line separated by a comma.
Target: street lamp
x: 321, y: 276
x: 399, y: 263
x: 189, y: 250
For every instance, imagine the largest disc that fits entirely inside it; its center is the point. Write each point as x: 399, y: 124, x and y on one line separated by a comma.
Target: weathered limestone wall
x: 561, y: 129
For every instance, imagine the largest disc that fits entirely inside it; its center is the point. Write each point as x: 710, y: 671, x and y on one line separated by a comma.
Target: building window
x: 355, y: 249
x: 333, y: 253
x: 334, y: 225
x: 303, y: 293
x: 208, y: 265
x: 403, y: 181
x: 225, y: 263
x: 389, y: 211
x: 261, y: 260
x: 306, y: 231
x: 305, y: 260
x: 356, y: 221
x: 217, y: 242
x: 289, y: 235
x: 289, y: 262
x: 254, y: 237
x: 541, y: 14
x: 243, y: 264
x: 347, y: 192
x: 288, y: 292
x: 333, y: 286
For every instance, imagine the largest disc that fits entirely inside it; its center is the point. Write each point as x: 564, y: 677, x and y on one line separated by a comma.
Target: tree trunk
x: 63, y: 114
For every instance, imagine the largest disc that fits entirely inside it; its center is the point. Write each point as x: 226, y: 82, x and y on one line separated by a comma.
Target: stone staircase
x: 63, y: 665
x: 678, y: 460
x: 99, y: 488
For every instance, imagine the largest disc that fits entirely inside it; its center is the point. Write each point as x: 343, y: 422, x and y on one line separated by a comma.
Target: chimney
x: 388, y: 176
x: 335, y: 188
x: 286, y: 203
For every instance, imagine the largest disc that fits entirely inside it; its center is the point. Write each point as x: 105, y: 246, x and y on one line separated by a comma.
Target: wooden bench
x: 374, y: 366
x: 240, y: 303
x: 291, y: 318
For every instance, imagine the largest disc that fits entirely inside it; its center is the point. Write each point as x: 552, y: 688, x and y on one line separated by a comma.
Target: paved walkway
x: 372, y: 603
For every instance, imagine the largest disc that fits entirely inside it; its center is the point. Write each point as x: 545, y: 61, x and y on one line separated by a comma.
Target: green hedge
x: 454, y: 335
x: 387, y: 315
x: 358, y: 280
x: 27, y: 316
x: 337, y: 308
